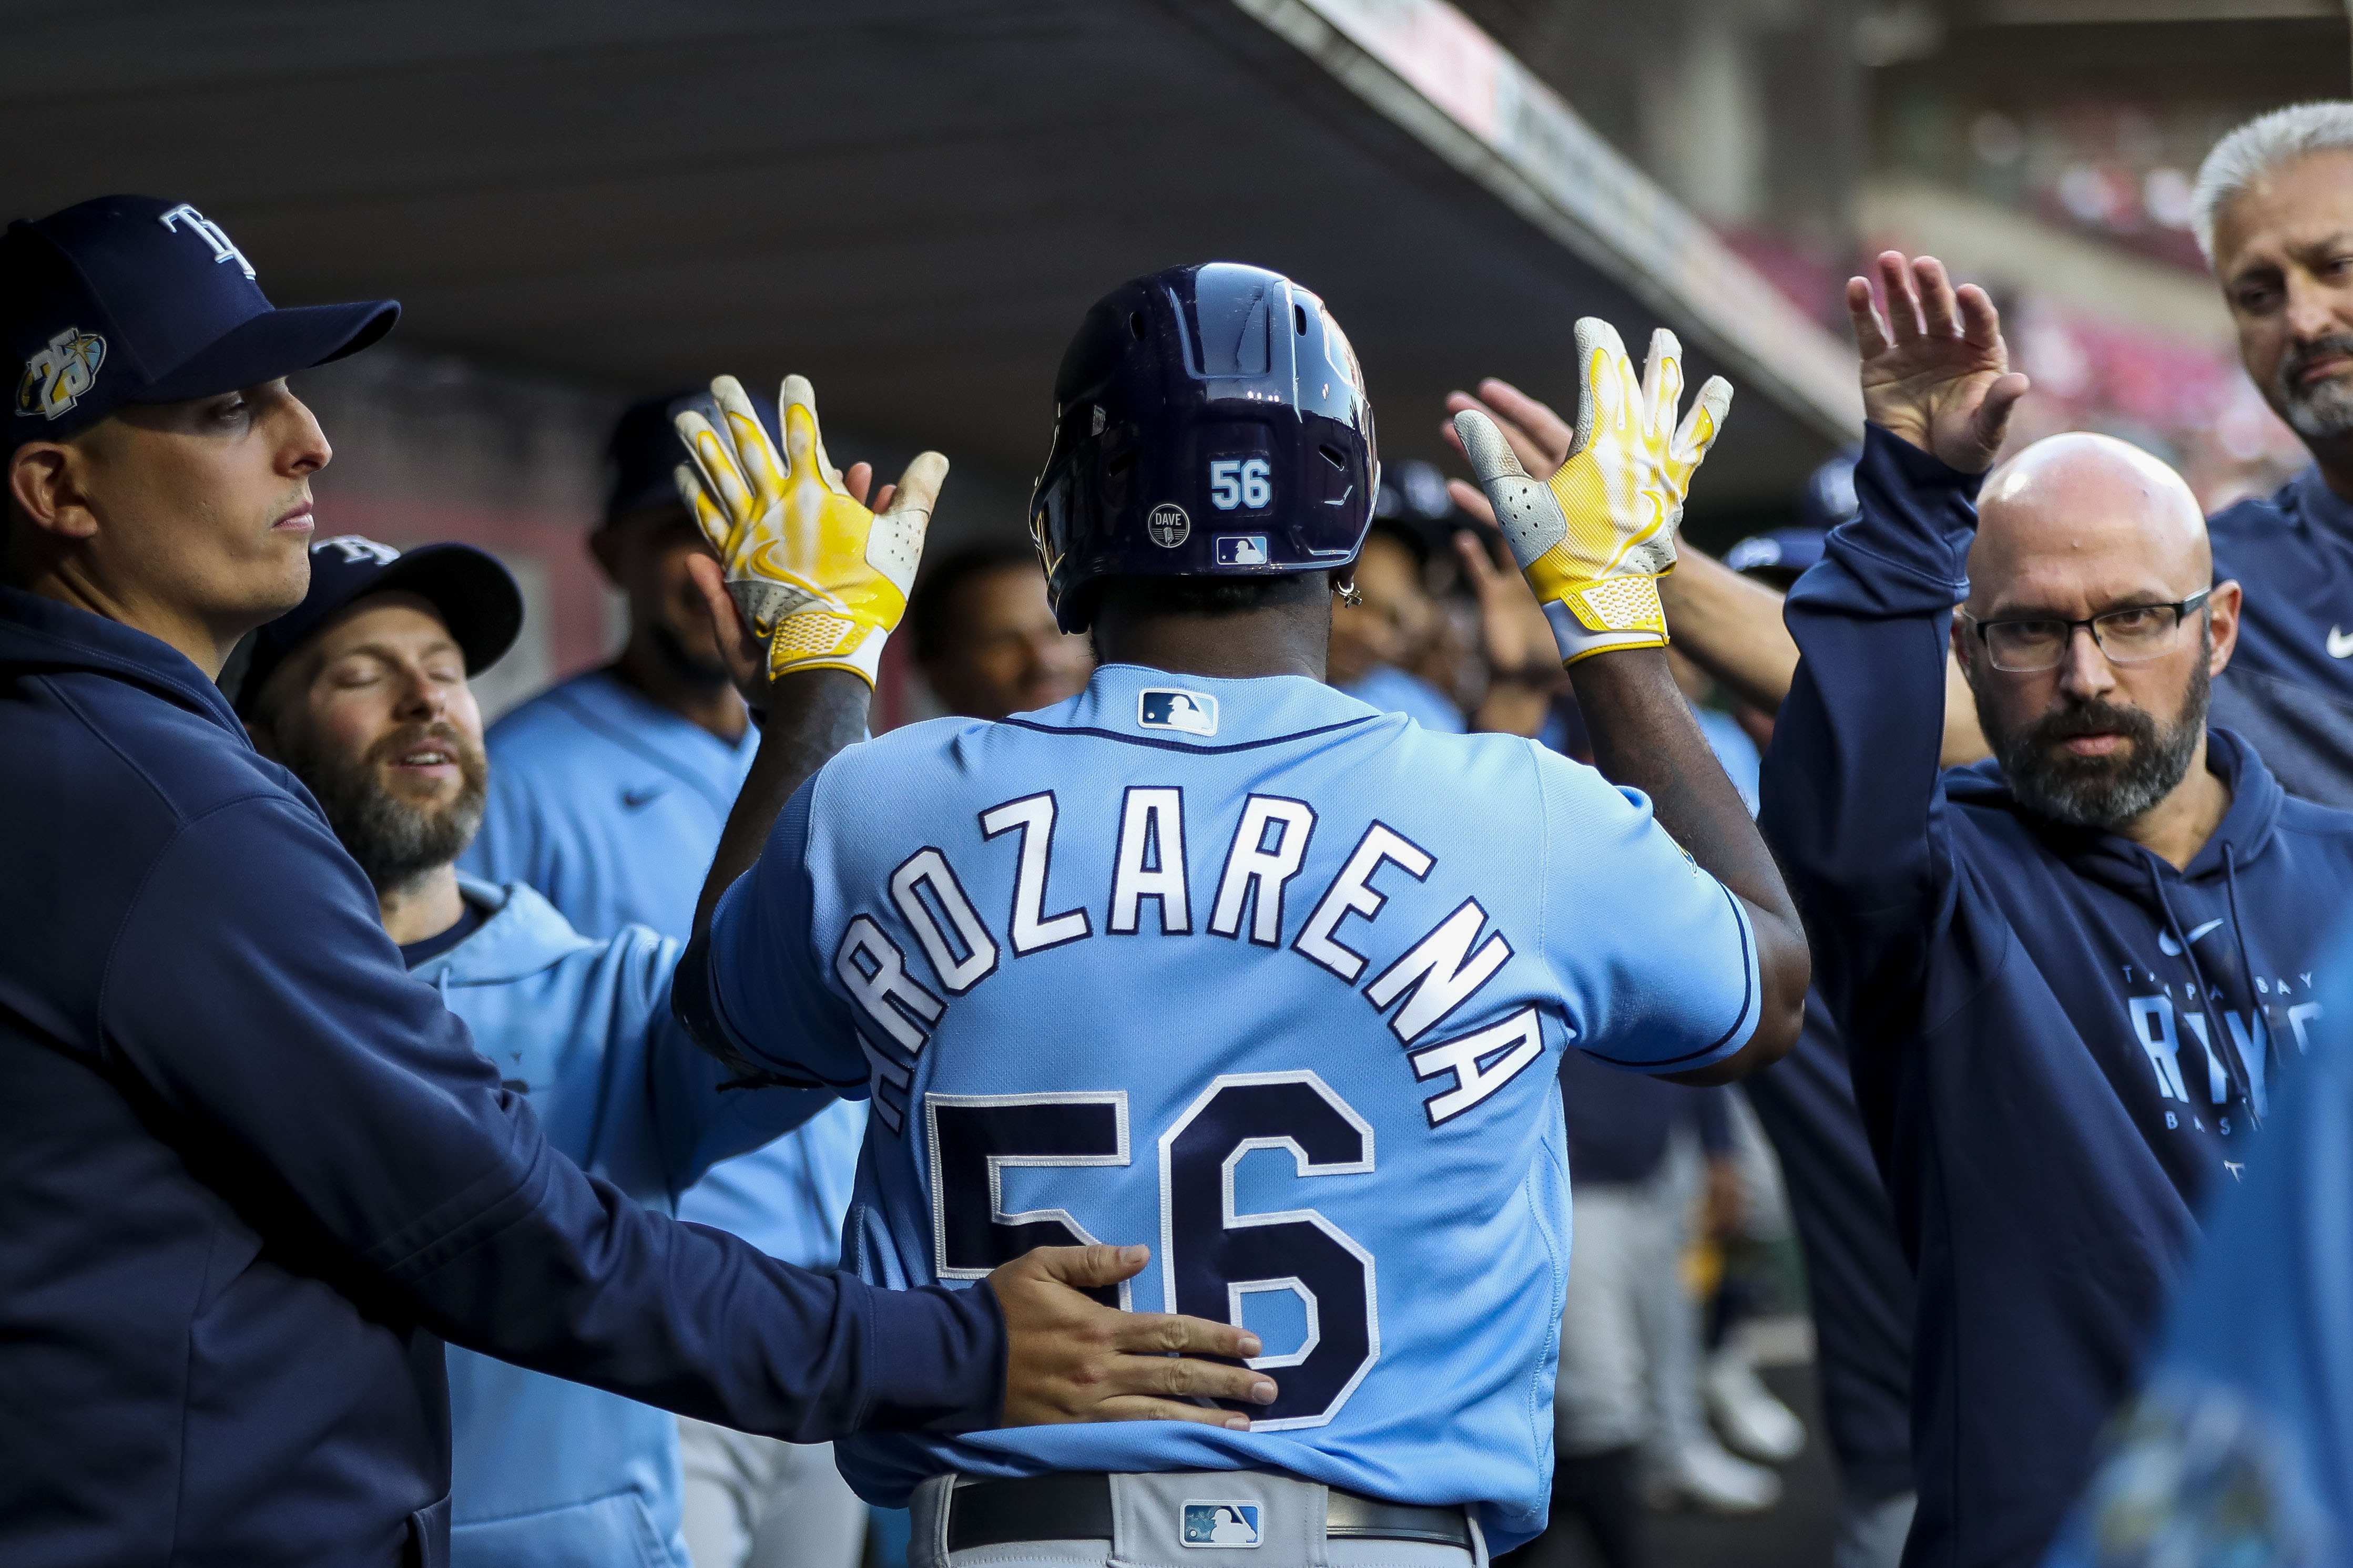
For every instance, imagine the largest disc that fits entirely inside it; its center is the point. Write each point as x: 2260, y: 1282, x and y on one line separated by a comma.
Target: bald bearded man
x: 2073, y: 974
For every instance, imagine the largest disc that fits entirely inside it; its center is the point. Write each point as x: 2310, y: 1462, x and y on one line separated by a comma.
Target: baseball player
x: 1217, y: 957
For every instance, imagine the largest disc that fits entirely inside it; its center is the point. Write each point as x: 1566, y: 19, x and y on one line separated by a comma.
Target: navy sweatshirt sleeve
x: 253, y: 998
x: 1853, y: 802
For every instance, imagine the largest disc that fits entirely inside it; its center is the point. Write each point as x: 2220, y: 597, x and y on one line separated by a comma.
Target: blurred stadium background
x: 911, y: 201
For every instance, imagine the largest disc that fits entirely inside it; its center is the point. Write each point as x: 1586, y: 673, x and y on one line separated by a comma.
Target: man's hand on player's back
x: 1070, y: 1359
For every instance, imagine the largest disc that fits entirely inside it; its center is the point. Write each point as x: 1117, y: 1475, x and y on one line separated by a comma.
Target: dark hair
x: 1138, y: 596
x: 930, y: 612
x: 1412, y: 540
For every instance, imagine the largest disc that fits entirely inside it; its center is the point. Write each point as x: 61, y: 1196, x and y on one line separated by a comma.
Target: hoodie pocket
x: 611, y: 1532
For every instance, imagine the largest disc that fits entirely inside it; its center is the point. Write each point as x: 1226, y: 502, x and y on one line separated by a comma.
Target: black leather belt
x: 1076, y: 1506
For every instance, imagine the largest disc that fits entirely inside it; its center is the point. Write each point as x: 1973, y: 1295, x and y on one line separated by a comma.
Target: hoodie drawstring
x: 2262, y: 1033
x: 2225, y: 1046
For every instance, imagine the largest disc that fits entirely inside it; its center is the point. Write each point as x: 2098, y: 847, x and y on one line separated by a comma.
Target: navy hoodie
x: 2048, y: 1026
x: 2289, y: 689
x: 252, y: 1176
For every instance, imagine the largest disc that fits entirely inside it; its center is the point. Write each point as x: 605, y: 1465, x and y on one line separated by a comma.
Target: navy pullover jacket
x: 2048, y: 1026
x: 2289, y: 689
x: 252, y: 1176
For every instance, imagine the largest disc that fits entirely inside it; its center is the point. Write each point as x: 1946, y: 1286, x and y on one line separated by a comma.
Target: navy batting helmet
x: 1209, y: 421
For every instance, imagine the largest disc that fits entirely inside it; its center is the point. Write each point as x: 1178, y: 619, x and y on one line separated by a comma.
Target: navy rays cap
x: 644, y: 451
x: 1781, y: 556
x: 137, y: 299
x: 477, y: 598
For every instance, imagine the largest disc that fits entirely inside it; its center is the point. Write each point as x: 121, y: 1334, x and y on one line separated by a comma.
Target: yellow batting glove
x: 1594, y: 540
x: 818, y: 578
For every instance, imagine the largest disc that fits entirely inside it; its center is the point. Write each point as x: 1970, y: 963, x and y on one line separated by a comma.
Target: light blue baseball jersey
x: 1270, y: 980
x: 610, y: 806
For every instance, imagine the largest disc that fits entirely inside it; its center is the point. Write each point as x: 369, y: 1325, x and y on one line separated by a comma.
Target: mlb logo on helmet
x: 57, y: 376
x: 1221, y: 1524
x: 1241, y: 550
x: 1160, y: 707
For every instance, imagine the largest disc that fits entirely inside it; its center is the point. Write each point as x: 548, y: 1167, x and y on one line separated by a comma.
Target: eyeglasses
x: 2133, y: 635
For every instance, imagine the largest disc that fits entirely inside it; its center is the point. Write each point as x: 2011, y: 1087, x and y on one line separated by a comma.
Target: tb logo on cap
x: 357, y: 550
x: 211, y: 232
x: 57, y: 376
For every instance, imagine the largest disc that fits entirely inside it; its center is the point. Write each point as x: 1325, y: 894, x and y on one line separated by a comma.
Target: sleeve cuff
x: 937, y: 1359
x: 1909, y: 543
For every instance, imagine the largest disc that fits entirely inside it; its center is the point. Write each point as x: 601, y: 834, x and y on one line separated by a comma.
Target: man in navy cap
x: 252, y: 1174
x: 606, y: 796
x: 362, y: 692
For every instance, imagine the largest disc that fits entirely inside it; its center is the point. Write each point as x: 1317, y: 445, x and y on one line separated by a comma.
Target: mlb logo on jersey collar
x: 1172, y: 708
x: 1227, y: 1524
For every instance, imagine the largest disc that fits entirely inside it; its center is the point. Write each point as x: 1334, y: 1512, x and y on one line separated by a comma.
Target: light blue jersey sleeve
x: 1654, y: 958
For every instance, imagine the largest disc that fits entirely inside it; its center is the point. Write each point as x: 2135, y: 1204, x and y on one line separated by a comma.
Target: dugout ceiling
x: 911, y: 201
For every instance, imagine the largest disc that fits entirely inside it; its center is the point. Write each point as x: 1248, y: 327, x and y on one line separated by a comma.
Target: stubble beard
x: 2323, y: 411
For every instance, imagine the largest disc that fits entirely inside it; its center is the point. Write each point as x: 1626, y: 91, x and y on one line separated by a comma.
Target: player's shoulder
x: 560, y: 718
x: 902, y: 753
x: 2256, y: 521
x: 2330, y: 828
x: 112, y: 754
x: 523, y: 935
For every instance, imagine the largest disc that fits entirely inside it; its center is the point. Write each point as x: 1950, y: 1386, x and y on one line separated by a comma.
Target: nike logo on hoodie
x: 2172, y: 949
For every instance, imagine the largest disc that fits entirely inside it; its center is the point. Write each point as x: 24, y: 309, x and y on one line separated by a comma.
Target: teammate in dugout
x: 1215, y: 954
x: 252, y: 1174
x: 607, y: 794
x: 361, y: 692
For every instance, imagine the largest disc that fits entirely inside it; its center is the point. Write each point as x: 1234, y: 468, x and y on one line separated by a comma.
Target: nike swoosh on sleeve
x: 2340, y: 645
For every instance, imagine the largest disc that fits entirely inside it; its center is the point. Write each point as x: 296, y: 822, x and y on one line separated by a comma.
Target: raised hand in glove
x: 818, y: 578
x: 1594, y: 538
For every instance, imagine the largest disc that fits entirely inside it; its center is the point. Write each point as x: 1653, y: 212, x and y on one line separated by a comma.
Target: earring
x: 1350, y: 596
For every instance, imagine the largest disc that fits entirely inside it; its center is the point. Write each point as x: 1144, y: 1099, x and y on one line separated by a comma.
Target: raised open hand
x: 818, y: 578
x: 1594, y: 536
x: 1935, y: 370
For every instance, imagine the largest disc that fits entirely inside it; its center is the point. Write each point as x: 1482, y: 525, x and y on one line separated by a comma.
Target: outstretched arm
x: 1852, y: 803
x: 1591, y: 539
x: 1726, y: 624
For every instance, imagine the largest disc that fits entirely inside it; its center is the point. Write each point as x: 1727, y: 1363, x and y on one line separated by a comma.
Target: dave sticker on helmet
x: 57, y: 376
x: 1168, y: 525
